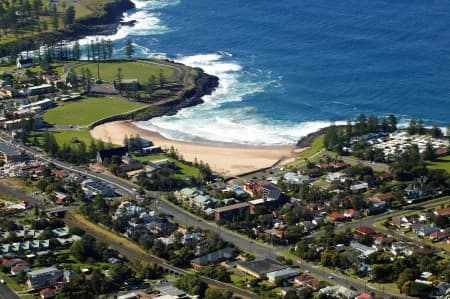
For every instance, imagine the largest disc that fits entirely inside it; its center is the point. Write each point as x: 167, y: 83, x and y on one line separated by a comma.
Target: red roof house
x: 364, y: 230
x: 443, y: 212
x: 335, y: 216
x: 47, y: 293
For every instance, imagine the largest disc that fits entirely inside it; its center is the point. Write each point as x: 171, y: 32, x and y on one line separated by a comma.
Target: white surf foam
x: 214, y: 122
x: 147, y: 21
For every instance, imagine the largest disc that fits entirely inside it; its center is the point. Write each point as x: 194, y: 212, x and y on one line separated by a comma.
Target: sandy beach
x: 226, y: 159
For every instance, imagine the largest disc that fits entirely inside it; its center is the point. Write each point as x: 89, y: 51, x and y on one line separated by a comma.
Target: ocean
x: 290, y: 67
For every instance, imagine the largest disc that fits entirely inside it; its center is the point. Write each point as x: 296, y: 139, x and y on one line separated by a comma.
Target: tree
x: 87, y: 79
x: 392, y: 123
x: 372, y: 124
x: 429, y: 153
x: 214, y: 293
x: 55, y: 18
x: 69, y: 16
x: 162, y: 79
x: 119, y: 80
x: 192, y: 284
x: 129, y: 48
x: 436, y: 132
x: 76, y: 51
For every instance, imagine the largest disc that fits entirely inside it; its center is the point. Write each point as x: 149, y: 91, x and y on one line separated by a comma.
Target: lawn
x: 87, y: 110
x: 441, y: 163
x: 130, y: 70
x: 185, y: 169
x: 67, y: 137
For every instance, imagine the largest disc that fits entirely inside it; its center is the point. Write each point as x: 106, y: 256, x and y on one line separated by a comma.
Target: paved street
x: 7, y: 293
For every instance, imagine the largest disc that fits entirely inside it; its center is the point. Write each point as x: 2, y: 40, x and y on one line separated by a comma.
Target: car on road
x: 330, y: 277
x: 2, y: 281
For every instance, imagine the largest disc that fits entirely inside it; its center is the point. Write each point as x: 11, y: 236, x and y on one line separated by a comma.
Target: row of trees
x: 77, y: 153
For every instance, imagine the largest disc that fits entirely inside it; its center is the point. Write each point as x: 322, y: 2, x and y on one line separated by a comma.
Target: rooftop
x: 262, y: 266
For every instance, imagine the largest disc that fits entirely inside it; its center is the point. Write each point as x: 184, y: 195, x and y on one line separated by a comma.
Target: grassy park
x: 130, y: 70
x: 89, y: 109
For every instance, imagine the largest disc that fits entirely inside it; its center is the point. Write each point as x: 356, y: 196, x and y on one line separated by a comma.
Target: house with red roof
x: 438, y: 235
x: 365, y: 296
x: 22, y: 267
x: 47, y: 293
x: 364, y: 230
x: 335, y: 217
x: 443, y: 212
x: 385, y: 196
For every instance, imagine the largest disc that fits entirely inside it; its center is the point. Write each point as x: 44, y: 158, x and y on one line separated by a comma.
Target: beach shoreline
x: 227, y: 159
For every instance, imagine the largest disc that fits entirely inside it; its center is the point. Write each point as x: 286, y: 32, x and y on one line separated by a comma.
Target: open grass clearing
x: 185, y: 169
x: 130, y: 70
x: 89, y: 109
x: 66, y: 137
x: 440, y: 163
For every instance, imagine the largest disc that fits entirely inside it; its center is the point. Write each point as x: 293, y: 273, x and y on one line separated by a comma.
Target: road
x: 183, y: 217
x: 135, y: 255
x: 7, y: 293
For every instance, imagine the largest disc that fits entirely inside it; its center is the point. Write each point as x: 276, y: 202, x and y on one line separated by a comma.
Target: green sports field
x: 87, y: 110
x: 130, y: 70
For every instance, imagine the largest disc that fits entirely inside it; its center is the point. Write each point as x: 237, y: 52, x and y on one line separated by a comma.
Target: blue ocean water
x: 289, y: 67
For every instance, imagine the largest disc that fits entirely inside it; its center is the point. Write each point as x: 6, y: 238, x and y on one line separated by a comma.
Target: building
x: 98, y: 188
x: 359, y: 187
x: 443, y: 212
x: 214, y: 257
x: 128, y: 296
x: 47, y: 293
x: 41, y: 105
x: 104, y: 156
x: 281, y: 274
x: 10, y: 153
x: 23, y: 63
x: 8, y: 91
x: 40, y: 89
x: 260, y: 268
x: 228, y: 212
x: 45, y: 277
x: 126, y: 85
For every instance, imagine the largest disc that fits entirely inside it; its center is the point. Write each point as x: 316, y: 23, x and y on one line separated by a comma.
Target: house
x: 228, y: 212
x: 335, y: 217
x: 385, y: 196
x: 281, y: 274
x: 365, y: 250
x: 128, y: 296
x: 441, y: 152
x: 270, y: 192
x: 104, y: 156
x: 47, y: 293
x: 10, y: 153
x: 365, y: 296
x: 8, y: 91
x: 364, y: 230
x: 214, y: 257
x: 338, y: 292
x: 351, y: 214
x: 22, y: 267
x: 260, y: 268
x: 172, y: 291
x: 335, y: 176
x: 359, y: 187
x: 425, y: 230
x: 23, y: 63
x: 442, y: 212
x: 375, y: 207
x: 60, y: 197
x: 45, y: 277
x: 303, y: 280
x: 438, y: 235
x: 386, y: 176
x: 203, y: 202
